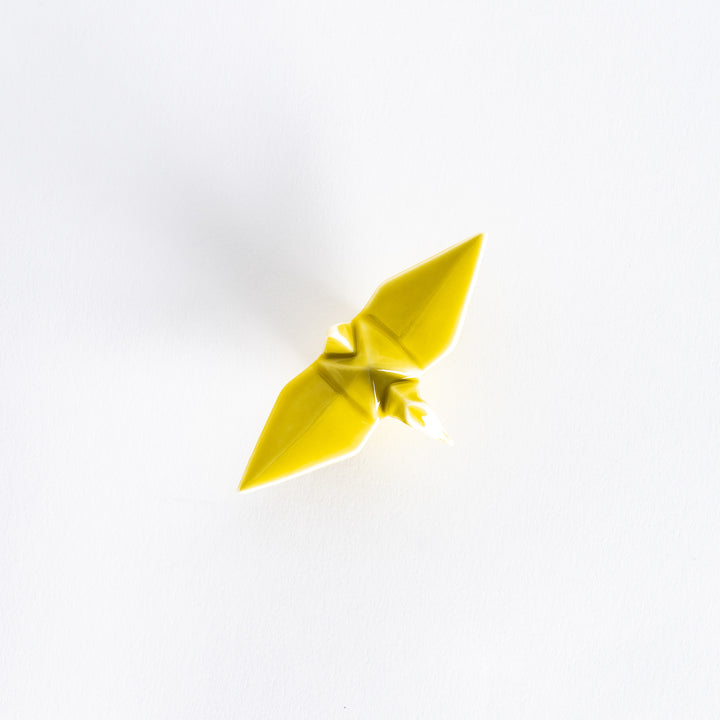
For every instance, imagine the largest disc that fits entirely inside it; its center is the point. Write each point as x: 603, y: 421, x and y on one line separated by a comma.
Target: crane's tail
x: 403, y: 402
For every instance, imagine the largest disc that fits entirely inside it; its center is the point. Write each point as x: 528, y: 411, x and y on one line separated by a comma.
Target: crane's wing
x: 423, y: 307
x: 311, y: 424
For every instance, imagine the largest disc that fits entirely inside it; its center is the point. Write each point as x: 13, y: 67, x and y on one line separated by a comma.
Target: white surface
x: 192, y: 193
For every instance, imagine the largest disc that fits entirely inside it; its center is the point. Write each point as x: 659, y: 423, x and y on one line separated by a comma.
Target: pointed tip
x: 251, y: 479
x: 255, y: 478
x: 250, y: 482
x: 474, y: 244
x: 466, y: 252
x: 459, y: 250
x: 246, y: 487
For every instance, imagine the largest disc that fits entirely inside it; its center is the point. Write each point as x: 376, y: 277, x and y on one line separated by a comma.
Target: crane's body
x: 370, y: 368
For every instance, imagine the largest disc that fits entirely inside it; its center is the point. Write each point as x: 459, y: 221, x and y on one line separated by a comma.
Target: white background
x: 191, y: 193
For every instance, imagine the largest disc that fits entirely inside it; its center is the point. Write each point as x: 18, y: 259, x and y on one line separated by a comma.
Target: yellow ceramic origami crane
x: 370, y: 368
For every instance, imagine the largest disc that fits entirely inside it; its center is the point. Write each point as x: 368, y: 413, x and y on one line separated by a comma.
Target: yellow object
x: 370, y: 368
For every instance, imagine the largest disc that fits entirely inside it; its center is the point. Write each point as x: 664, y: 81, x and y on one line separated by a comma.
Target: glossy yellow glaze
x: 370, y: 368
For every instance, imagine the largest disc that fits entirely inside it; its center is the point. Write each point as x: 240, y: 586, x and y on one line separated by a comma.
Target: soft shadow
x: 261, y: 248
